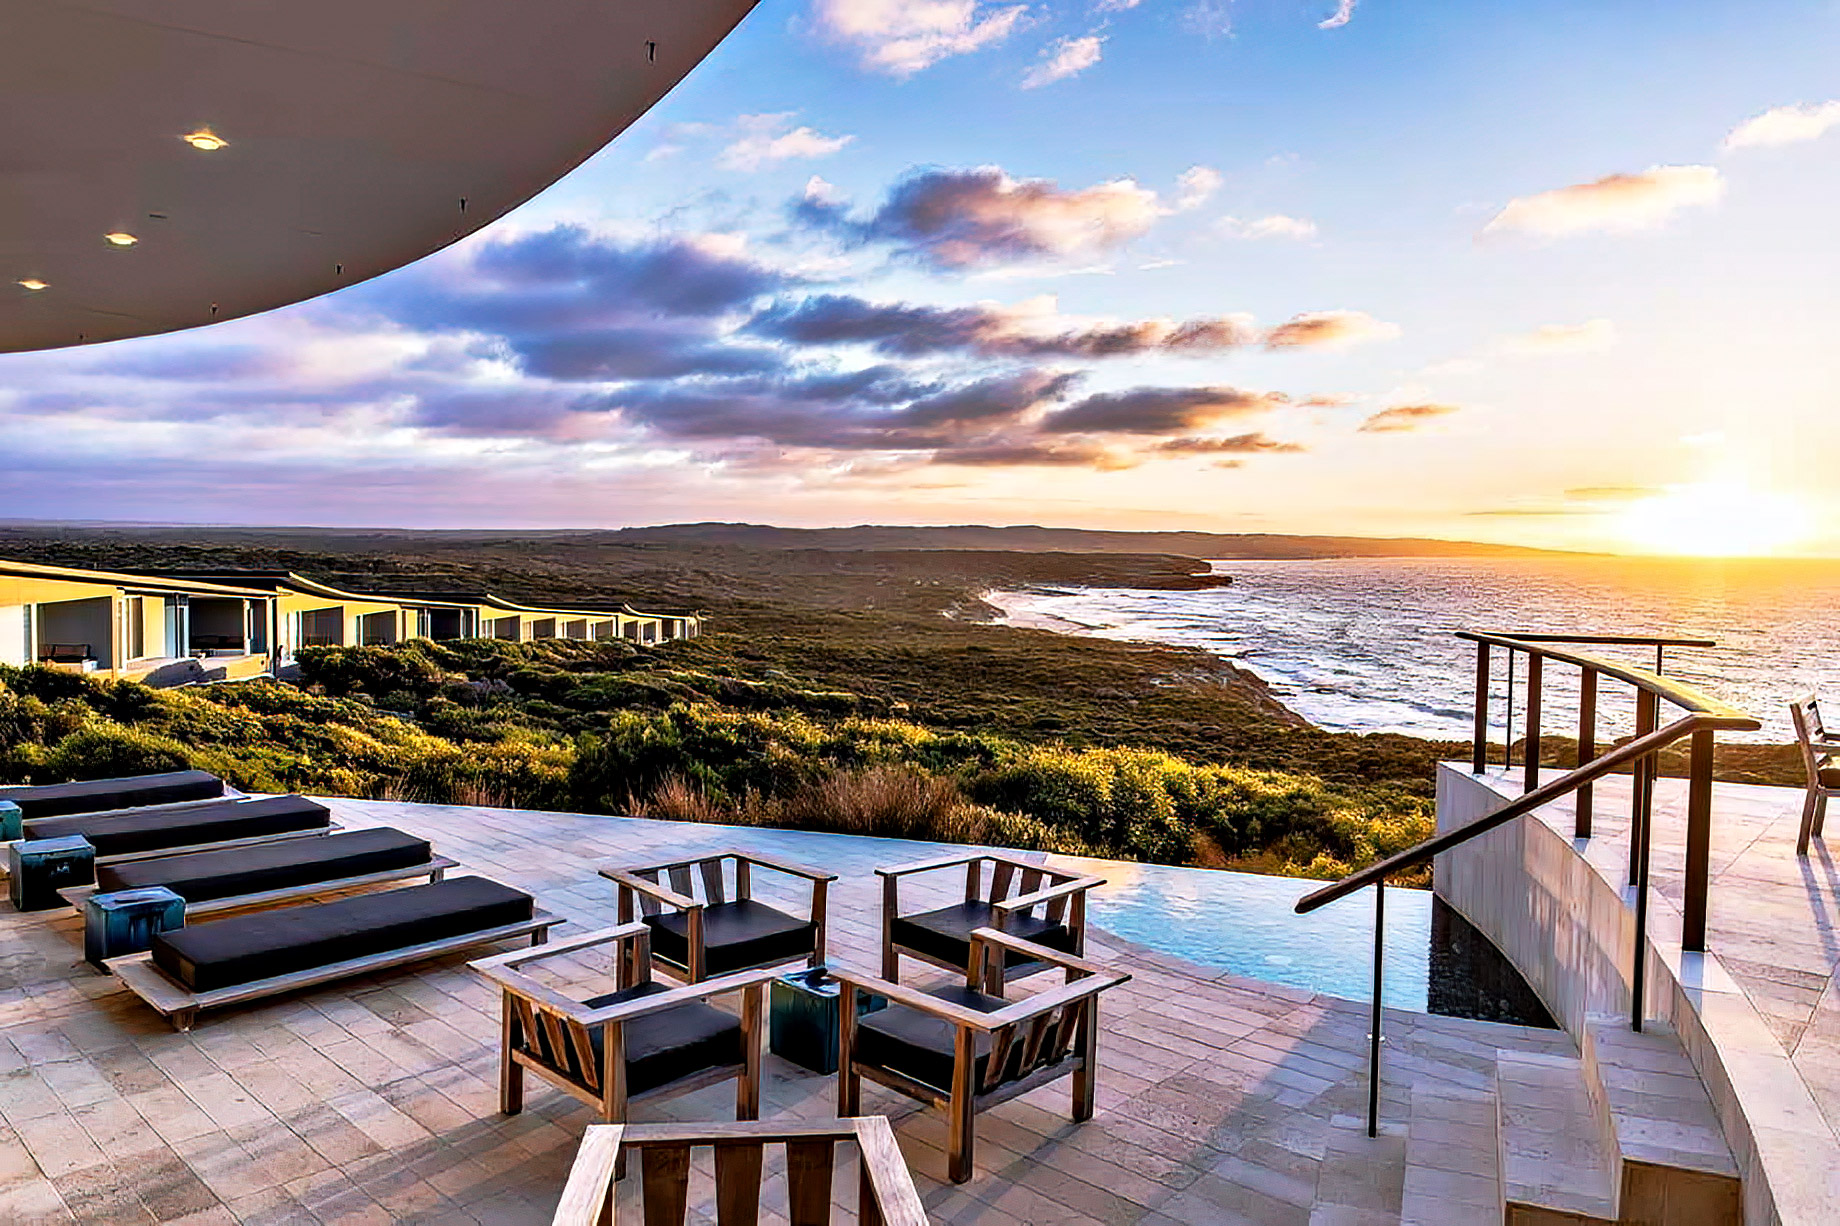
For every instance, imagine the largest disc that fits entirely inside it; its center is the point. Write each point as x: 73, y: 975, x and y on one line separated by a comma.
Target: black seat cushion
x: 666, y: 1046
x: 945, y: 934
x: 921, y: 1046
x: 245, y: 948
x: 121, y: 831
x: 203, y: 875
x: 736, y: 936
x: 91, y: 795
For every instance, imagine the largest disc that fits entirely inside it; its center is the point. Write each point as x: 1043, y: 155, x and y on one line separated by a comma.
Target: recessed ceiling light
x: 120, y: 239
x: 33, y: 283
x: 204, y: 139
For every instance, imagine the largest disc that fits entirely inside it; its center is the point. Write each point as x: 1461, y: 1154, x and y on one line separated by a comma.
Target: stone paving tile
x: 376, y: 1100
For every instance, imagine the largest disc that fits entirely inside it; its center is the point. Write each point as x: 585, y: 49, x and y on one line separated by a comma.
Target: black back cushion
x: 245, y: 948
x: 204, y: 875
x: 91, y: 795
x: 121, y: 831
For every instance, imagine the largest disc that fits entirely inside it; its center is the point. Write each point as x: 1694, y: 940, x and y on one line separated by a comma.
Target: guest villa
x: 166, y: 629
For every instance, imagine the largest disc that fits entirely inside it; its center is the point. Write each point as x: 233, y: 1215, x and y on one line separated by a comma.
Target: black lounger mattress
x: 204, y: 875
x: 93, y: 795
x: 122, y: 831
x: 245, y: 948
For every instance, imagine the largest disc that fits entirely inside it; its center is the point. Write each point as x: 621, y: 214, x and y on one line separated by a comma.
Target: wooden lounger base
x: 179, y: 1005
x: 434, y: 870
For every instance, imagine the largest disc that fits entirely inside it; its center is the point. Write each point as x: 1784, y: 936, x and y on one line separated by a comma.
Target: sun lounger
x: 264, y: 874
x: 92, y: 795
x: 247, y: 957
x: 170, y: 828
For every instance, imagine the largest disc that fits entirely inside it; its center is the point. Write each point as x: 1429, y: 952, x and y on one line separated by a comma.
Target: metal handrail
x: 1545, y: 794
x: 1704, y: 717
x: 1687, y: 697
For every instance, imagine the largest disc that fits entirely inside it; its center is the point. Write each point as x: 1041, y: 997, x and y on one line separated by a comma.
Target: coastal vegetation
x: 852, y: 689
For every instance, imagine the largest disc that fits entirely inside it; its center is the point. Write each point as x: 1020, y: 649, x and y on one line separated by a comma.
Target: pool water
x: 1244, y: 923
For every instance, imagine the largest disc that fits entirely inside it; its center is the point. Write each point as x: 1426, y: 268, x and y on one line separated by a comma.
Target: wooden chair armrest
x: 524, y: 957
x: 1025, y: 901
x: 924, y: 866
x: 626, y: 1010
x: 590, y: 1177
x: 651, y: 889
x: 782, y: 866
x: 1040, y: 953
x: 1054, y: 998
x: 956, y: 1014
x: 1827, y: 747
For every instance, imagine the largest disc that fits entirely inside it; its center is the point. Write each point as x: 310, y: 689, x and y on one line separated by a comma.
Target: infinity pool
x: 1245, y: 923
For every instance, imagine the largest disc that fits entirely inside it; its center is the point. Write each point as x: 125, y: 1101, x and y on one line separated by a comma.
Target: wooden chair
x: 942, y: 937
x: 1818, y: 750
x: 647, y: 1039
x: 886, y: 1197
x: 962, y: 1049
x: 720, y: 935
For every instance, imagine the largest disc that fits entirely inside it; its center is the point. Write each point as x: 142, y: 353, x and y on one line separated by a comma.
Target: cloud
x: 1785, y: 125
x: 1196, y: 186
x: 1329, y: 329
x: 1344, y: 13
x: 1591, y: 336
x: 1030, y: 329
x: 1058, y: 455
x: 1277, y: 225
x: 1158, y: 410
x: 1063, y: 58
x: 767, y: 139
x: 1615, y: 203
x: 901, y: 37
x: 1237, y: 444
x: 962, y: 219
x: 1405, y: 417
x: 1611, y: 493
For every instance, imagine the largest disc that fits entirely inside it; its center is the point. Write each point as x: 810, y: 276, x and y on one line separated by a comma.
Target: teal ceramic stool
x: 42, y: 867
x: 124, y: 921
x: 802, y: 1025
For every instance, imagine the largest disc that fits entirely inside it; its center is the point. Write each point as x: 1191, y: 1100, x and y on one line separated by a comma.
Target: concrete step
x: 1676, y: 1169
x: 1361, y: 1178
x: 1452, y: 1164
x: 1558, y: 1161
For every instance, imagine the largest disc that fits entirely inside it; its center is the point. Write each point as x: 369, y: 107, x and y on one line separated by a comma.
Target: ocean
x: 1366, y: 645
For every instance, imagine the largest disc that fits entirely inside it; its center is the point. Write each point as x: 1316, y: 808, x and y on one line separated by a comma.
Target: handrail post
x: 1536, y: 673
x: 1507, y: 719
x: 1638, y: 978
x: 1641, y: 777
x: 1373, y: 1038
x: 1699, y: 843
x: 1587, y: 749
x: 1479, y: 751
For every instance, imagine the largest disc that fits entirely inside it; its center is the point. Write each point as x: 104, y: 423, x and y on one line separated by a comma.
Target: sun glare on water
x: 1715, y: 520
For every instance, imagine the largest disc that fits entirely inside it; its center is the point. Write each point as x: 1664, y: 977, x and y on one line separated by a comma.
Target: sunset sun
x: 1715, y: 520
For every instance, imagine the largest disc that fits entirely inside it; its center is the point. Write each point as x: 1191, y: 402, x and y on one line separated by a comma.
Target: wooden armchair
x: 719, y: 935
x: 1818, y: 750
x: 646, y: 1039
x: 942, y: 937
x: 886, y: 1198
x: 962, y: 1049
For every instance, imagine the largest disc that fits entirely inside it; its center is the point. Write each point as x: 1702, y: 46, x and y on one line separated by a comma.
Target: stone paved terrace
x: 1221, y: 1100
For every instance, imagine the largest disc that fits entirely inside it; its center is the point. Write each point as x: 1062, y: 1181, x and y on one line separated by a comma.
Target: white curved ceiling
x: 360, y: 135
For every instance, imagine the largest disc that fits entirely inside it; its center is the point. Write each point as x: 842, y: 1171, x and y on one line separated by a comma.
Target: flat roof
x: 156, y: 582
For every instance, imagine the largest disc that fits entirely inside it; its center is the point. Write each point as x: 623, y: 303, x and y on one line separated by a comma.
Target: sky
x: 1556, y: 274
